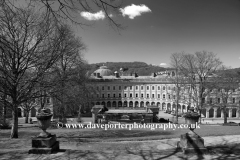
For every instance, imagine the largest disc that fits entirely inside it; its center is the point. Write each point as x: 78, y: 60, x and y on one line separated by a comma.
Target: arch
x: 173, y: 106
x: 136, y: 104
x: 108, y: 104
x: 114, y: 104
x: 234, y: 112
x: 98, y: 103
x: 119, y: 103
x: 147, y: 103
x: 103, y: 103
x: 141, y: 104
x: 219, y: 112
x: 164, y: 106
x: 153, y: 103
x: 159, y: 105
x: 130, y: 104
x: 211, y: 112
x: 33, y: 112
x: 169, y: 106
x: 125, y: 103
x: 183, y: 109
x: 227, y: 112
x: 179, y: 108
x: 203, y: 112
x: 19, y: 112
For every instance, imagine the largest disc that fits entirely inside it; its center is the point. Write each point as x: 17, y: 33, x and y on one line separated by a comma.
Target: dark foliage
x: 128, y: 68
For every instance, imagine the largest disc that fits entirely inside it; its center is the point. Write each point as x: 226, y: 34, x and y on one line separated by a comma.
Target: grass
x: 94, y: 135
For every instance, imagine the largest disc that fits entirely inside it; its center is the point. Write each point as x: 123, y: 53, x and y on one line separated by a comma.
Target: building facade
x: 115, y: 90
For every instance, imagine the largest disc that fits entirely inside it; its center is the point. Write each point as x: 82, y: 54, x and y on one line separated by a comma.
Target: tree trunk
x: 225, y: 115
x: 27, y: 115
x: 4, y: 111
x: 79, y: 113
x: 14, y: 130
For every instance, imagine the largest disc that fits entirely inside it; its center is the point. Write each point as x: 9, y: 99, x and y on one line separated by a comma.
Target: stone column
x: 215, y: 113
x: 230, y: 113
x: 207, y: 113
x: 237, y: 114
x: 222, y: 114
x: 22, y: 114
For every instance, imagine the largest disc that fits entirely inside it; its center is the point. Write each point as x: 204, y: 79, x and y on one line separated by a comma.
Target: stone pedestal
x: 44, y: 145
x: 191, y: 143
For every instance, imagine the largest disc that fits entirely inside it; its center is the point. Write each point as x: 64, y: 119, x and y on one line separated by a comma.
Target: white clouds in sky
x: 163, y: 64
x: 134, y: 10
x: 93, y: 16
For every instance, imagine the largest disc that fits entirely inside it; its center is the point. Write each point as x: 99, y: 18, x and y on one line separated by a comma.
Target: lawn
x: 95, y: 135
x: 100, y: 142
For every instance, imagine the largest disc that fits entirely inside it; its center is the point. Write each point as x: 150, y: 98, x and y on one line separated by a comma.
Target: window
x: 169, y: 88
x: 174, y: 96
x: 97, y: 95
x: 130, y: 94
x: 159, y: 88
x: 114, y: 95
x: 102, y: 87
x: 120, y: 95
x: 152, y: 87
x: 97, y: 88
x: 141, y: 87
x: 152, y: 95
x: 147, y: 87
x: 142, y: 95
x: 233, y: 100
x: 164, y: 87
x: 174, y: 89
x: 136, y: 95
x: 163, y: 96
x: 219, y: 100
x: 169, y: 96
x: 119, y: 87
x: 136, y: 87
x: 48, y: 100
x: 108, y: 87
x: 108, y: 95
x: 210, y: 101
x: 203, y: 100
x: 113, y: 87
x: 158, y: 95
x: 147, y: 95
x: 130, y: 87
x: 125, y: 95
x: 125, y: 87
x: 102, y: 95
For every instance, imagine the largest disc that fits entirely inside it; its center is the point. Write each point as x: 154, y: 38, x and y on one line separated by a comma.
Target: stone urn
x: 191, y: 142
x: 44, y: 122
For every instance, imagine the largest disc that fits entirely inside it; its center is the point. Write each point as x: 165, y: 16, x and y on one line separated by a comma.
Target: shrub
x: 191, y: 115
x: 5, y: 125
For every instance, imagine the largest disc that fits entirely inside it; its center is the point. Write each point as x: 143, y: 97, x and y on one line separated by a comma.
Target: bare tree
x: 69, y: 10
x: 29, y: 46
x: 27, y: 107
x: 66, y: 70
x: 221, y: 88
x: 176, y: 62
x: 198, y: 68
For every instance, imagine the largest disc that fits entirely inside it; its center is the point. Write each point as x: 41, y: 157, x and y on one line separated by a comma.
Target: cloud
x: 134, y: 10
x: 163, y: 64
x: 93, y: 16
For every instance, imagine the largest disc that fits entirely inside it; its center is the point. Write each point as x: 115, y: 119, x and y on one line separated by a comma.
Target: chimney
x: 135, y: 75
x: 154, y: 74
x: 116, y: 74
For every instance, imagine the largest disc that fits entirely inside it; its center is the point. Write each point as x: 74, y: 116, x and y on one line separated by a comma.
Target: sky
x: 154, y: 29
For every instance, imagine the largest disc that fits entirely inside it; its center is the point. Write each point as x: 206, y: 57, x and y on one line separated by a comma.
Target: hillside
x: 143, y: 69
